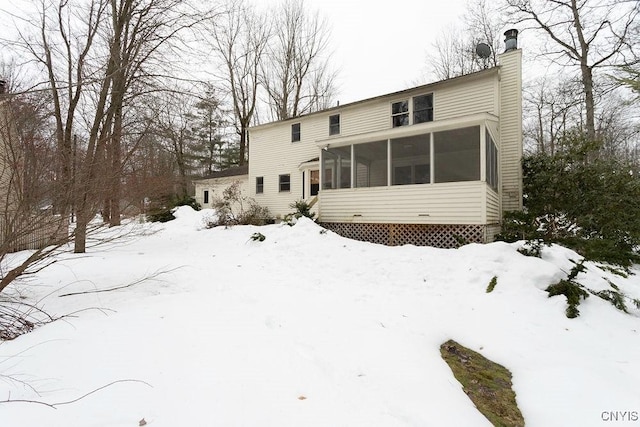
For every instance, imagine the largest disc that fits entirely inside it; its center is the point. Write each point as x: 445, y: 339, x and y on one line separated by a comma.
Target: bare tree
x: 172, y: 126
x: 26, y: 219
x: 240, y: 41
x: 552, y: 110
x: 455, y: 49
x: 587, y: 34
x: 99, y: 56
x: 297, y: 76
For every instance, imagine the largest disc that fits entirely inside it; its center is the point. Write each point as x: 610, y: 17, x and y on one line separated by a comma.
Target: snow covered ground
x: 310, y: 329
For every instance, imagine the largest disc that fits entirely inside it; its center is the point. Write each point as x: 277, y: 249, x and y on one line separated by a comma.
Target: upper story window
x: 419, y: 110
x: 400, y: 113
x: 259, y: 184
x: 334, y: 124
x: 423, y: 108
x: 295, y: 132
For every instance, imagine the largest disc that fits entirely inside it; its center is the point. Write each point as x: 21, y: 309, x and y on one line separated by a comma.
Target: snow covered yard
x: 310, y: 329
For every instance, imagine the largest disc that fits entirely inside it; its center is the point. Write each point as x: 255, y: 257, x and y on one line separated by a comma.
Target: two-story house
x: 435, y: 165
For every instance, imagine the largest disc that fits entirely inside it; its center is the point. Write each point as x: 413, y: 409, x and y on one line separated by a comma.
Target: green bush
x: 161, y: 211
x: 581, y: 200
x: 302, y: 208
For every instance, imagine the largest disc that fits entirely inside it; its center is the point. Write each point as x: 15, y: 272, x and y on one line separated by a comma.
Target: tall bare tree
x: 586, y: 34
x: 454, y: 51
x: 297, y: 75
x: 26, y: 221
x: 240, y: 41
x: 100, y: 55
x: 552, y: 110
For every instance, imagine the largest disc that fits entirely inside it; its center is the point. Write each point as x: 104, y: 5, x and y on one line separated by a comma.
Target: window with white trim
x: 284, y: 182
x: 295, y: 132
x: 334, y: 124
x: 419, y: 110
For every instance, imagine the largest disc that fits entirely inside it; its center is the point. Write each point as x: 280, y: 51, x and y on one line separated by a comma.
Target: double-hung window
x: 419, y: 110
x: 284, y: 182
x: 295, y: 132
x: 259, y: 184
x: 400, y: 113
x: 423, y: 108
x: 334, y: 124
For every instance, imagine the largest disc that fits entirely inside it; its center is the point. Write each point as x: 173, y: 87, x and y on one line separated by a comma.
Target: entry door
x: 314, y: 181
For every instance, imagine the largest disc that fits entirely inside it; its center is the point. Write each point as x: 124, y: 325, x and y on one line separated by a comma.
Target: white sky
x: 380, y: 45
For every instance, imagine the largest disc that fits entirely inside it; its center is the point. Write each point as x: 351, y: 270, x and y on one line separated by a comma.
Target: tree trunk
x: 80, y: 240
x: 243, y: 143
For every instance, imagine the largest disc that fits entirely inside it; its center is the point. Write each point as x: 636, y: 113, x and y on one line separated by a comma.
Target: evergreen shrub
x: 162, y: 210
x: 582, y: 200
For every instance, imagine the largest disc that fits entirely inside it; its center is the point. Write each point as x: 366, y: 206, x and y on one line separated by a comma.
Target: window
x: 411, y: 160
x: 423, y: 108
x: 492, y: 161
x: 295, y: 132
x: 334, y: 124
x: 457, y: 155
x: 336, y: 163
x: 259, y: 184
x: 206, y: 196
x: 371, y: 164
x: 285, y: 182
x: 419, y: 111
x: 400, y: 113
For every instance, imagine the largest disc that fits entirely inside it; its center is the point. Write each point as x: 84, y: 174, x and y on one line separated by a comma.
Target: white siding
x: 493, y: 206
x: 511, y: 129
x: 450, y: 203
x: 216, y: 186
x: 271, y: 154
x: 456, y: 101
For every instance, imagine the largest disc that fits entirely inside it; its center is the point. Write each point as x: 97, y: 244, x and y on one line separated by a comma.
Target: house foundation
x: 440, y: 236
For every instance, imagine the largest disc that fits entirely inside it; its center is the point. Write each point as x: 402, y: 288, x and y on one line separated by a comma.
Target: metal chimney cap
x: 512, y: 33
x: 510, y: 40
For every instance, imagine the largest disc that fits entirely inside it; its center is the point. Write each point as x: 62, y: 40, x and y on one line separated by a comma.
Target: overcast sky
x: 380, y: 45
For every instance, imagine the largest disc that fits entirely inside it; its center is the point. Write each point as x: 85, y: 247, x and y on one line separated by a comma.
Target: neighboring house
x: 435, y: 165
x: 212, y: 186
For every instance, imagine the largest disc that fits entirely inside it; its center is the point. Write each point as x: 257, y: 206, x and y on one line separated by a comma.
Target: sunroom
x: 443, y: 172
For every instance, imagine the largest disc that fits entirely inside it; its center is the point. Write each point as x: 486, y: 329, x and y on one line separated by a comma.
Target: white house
x: 436, y: 164
x: 211, y: 187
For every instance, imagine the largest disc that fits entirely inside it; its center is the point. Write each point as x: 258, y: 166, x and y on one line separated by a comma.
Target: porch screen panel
x: 371, y: 164
x: 457, y: 155
x: 336, y: 165
x: 491, y: 161
x: 411, y: 160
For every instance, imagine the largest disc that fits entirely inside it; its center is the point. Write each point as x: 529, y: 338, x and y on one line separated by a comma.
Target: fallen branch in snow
x: 55, y: 405
x: 137, y: 282
x: 18, y: 317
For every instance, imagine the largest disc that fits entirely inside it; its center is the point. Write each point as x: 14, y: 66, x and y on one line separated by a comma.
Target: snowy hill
x: 307, y: 328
